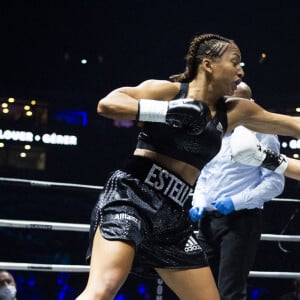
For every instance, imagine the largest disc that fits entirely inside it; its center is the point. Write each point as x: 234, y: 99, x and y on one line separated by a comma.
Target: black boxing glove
x: 189, y: 114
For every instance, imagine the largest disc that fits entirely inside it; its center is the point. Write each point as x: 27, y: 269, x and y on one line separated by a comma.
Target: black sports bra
x: 195, y: 150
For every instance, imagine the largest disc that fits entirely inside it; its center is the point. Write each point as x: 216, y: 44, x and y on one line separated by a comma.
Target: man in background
x: 228, y: 201
x: 8, y: 288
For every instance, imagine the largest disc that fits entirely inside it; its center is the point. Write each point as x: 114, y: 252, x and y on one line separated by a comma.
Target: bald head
x: 243, y: 91
x: 6, y: 278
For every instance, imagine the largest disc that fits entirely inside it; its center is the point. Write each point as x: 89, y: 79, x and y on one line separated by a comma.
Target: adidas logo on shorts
x: 191, y: 245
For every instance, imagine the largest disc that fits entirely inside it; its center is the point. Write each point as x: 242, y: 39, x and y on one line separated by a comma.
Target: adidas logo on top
x: 191, y: 245
x: 220, y: 127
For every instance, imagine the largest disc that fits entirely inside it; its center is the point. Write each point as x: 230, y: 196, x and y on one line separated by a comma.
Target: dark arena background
x: 58, y: 58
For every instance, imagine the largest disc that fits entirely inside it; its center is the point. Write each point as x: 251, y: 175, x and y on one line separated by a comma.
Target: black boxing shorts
x: 147, y: 205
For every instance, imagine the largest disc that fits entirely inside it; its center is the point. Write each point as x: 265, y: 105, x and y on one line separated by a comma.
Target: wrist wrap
x: 152, y: 110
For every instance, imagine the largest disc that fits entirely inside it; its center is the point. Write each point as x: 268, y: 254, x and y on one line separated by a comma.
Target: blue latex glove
x: 224, y: 205
x: 196, y: 213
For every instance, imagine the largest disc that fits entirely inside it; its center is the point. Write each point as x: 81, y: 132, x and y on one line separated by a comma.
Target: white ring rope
x: 85, y: 228
x: 44, y: 225
x: 52, y: 184
x: 281, y: 238
x: 285, y: 200
x: 286, y: 275
x: 43, y: 267
x: 47, y: 184
x: 83, y: 268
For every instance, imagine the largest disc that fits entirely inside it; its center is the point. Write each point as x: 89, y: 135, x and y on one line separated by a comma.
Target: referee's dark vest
x: 195, y: 150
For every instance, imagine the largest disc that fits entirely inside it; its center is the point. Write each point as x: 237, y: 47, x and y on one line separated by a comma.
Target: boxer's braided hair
x: 202, y: 46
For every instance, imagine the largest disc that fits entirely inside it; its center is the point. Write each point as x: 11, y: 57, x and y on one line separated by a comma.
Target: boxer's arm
x: 293, y: 168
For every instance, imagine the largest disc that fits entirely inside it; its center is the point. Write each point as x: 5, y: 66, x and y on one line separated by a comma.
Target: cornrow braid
x: 205, y: 45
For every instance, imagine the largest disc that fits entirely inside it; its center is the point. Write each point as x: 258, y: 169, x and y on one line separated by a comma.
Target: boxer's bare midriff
x: 183, y: 170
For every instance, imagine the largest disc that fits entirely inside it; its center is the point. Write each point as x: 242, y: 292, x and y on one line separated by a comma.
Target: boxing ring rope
x: 47, y: 184
x: 63, y: 185
x: 82, y: 269
x: 44, y: 225
x: 58, y: 226
x: 85, y: 228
